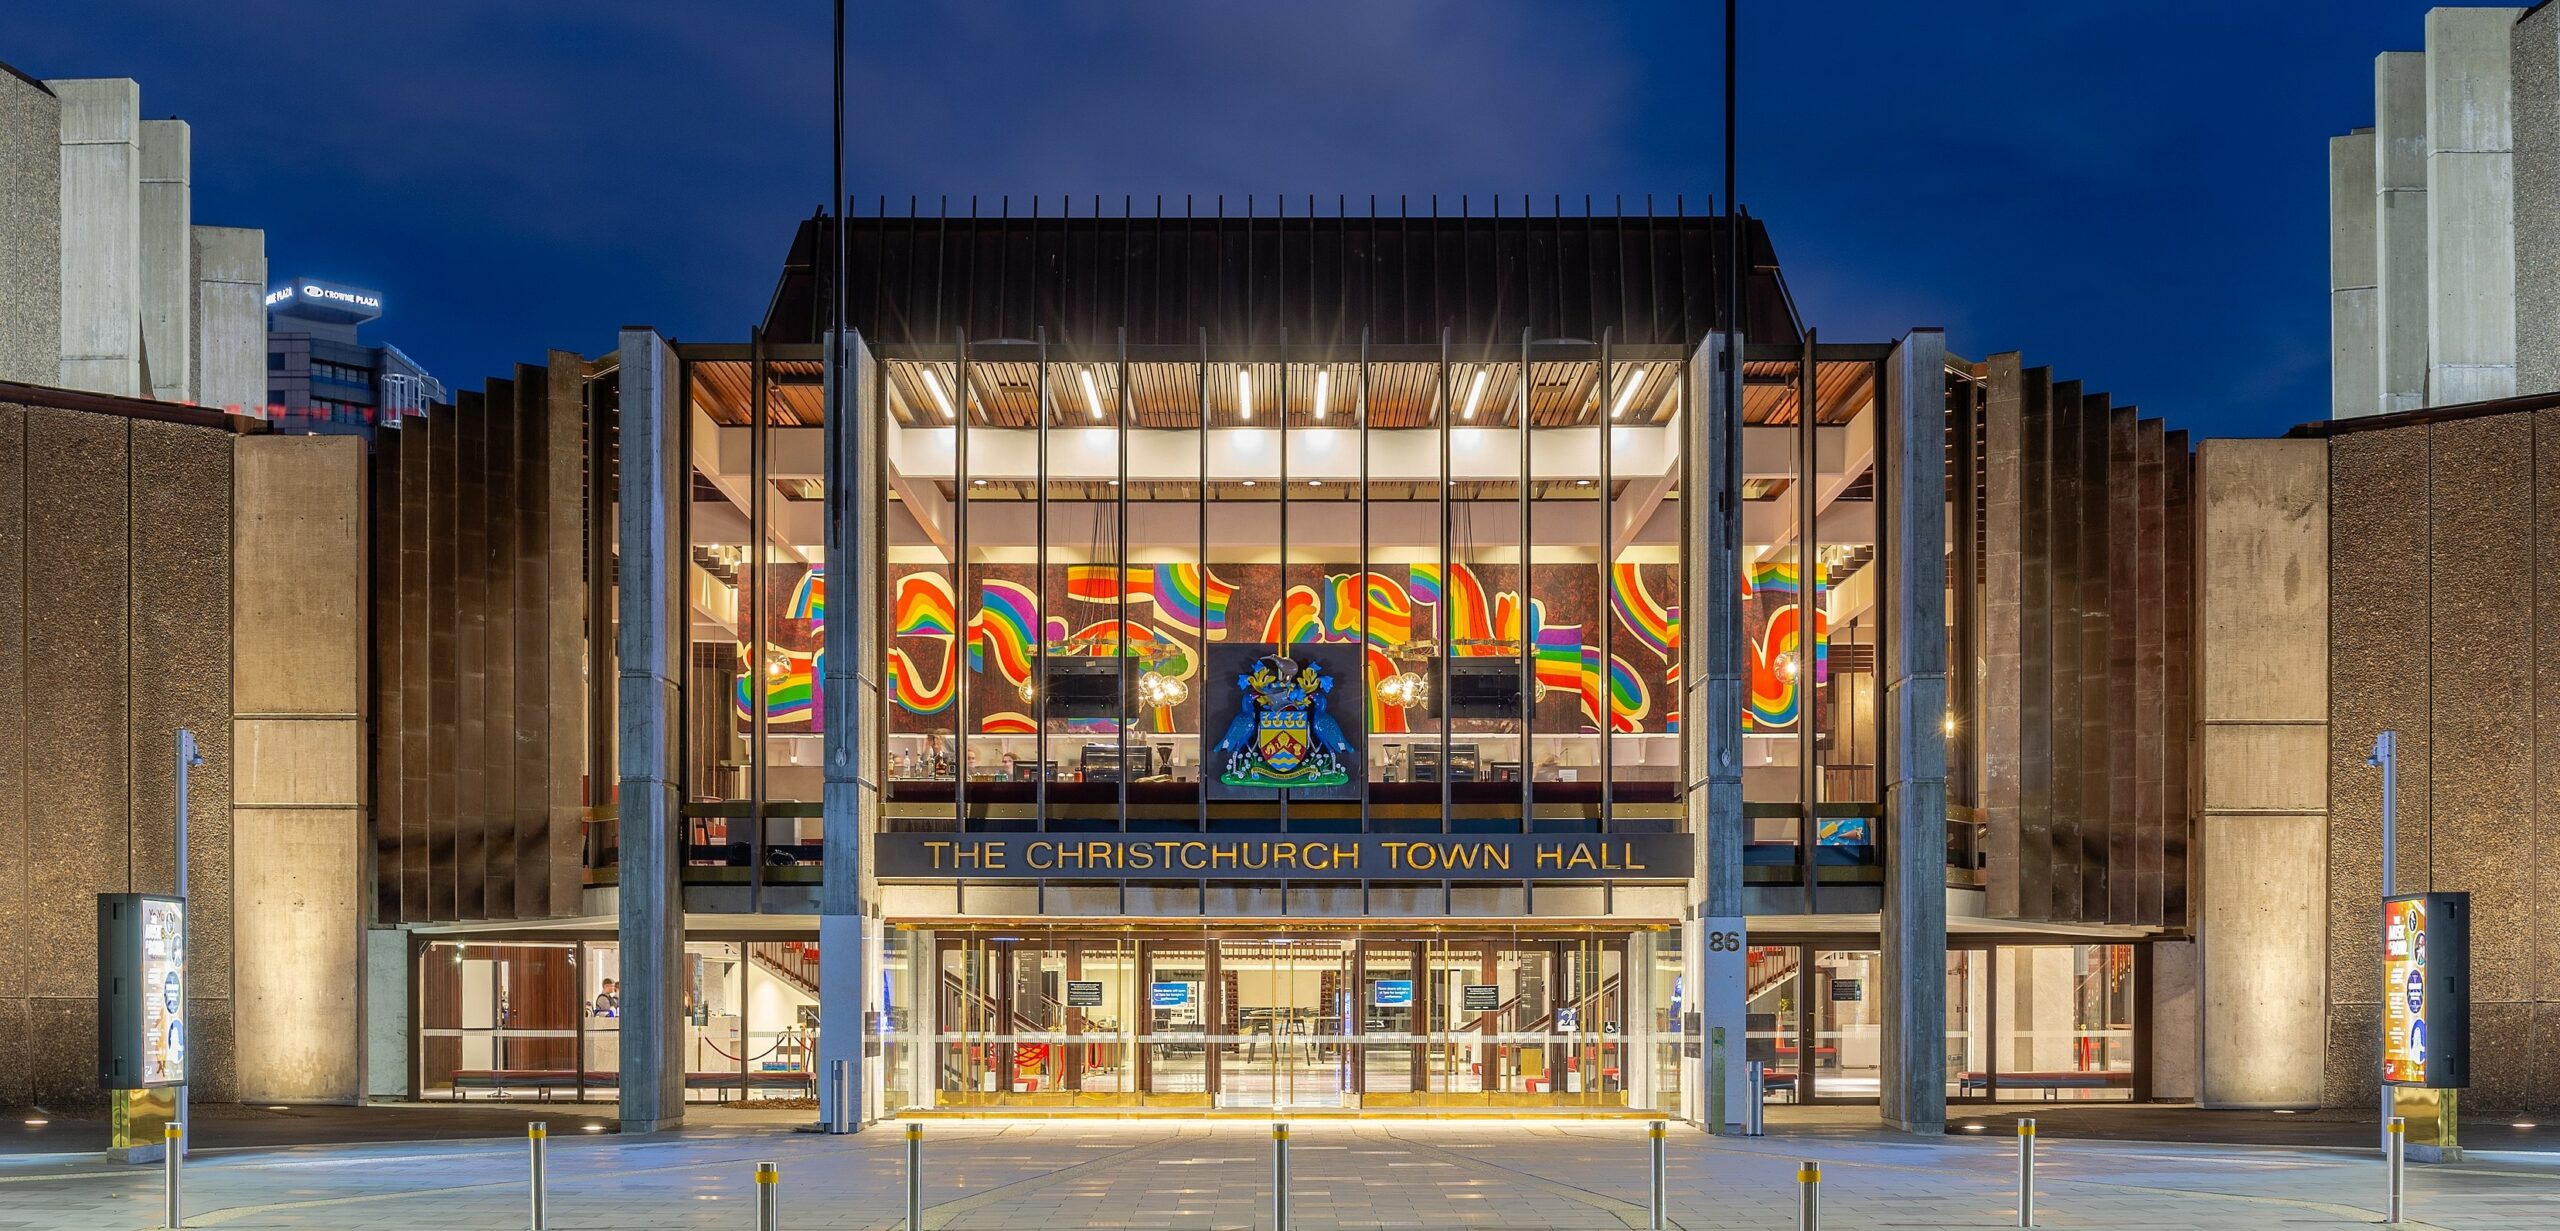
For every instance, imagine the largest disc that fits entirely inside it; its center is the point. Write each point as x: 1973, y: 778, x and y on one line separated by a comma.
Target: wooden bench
x: 2052, y: 1083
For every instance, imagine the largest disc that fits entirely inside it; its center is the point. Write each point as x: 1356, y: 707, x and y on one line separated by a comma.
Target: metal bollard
x: 1808, y: 1196
x: 915, y: 1177
x: 170, y: 1163
x: 768, y: 1196
x: 1755, y: 1098
x: 840, y: 1081
x: 1280, y: 1176
x: 1661, y: 1195
x: 2026, y: 1171
x: 2399, y: 1134
x: 536, y: 1135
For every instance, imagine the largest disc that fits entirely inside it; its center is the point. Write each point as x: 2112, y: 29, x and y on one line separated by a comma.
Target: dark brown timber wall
x: 2086, y: 636
x: 479, y: 637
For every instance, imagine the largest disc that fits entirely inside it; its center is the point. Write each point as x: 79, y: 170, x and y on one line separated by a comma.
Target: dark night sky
x: 2134, y: 193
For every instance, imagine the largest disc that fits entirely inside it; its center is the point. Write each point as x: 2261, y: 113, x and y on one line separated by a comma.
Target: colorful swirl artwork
x: 1655, y: 626
x: 1775, y: 695
x: 1008, y: 619
x: 1187, y: 597
x: 923, y: 607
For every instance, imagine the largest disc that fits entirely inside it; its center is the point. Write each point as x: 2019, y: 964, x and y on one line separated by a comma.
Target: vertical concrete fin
x: 652, y: 558
x: 1912, y: 493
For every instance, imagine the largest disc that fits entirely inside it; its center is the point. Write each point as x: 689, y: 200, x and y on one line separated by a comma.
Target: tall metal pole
x: 188, y: 758
x: 2386, y: 757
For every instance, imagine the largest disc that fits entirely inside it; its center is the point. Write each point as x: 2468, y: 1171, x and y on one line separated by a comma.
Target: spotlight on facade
x: 1787, y: 664
x: 1951, y: 723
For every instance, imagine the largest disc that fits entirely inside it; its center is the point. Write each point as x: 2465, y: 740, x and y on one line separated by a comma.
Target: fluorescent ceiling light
x: 1635, y: 381
x: 1244, y: 392
x: 1324, y: 386
x: 933, y: 385
x: 1092, y: 396
x: 1475, y: 393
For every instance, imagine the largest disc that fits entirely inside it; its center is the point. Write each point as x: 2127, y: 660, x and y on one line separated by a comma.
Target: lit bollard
x: 768, y: 1196
x: 172, y: 1155
x: 1280, y: 1177
x: 915, y: 1177
x: 2026, y: 1171
x: 536, y: 1135
x: 1661, y: 1195
x: 1808, y: 1196
x: 840, y: 1083
x: 2399, y: 1130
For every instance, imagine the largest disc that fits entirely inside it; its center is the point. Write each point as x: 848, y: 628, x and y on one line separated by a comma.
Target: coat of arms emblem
x: 1284, y: 734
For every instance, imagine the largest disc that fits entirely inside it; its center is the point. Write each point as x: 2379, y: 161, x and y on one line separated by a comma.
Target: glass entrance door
x: 1286, y: 1042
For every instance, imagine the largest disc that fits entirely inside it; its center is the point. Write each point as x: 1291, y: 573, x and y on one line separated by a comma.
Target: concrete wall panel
x: 2265, y: 768
x: 301, y: 954
x: 2400, y: 225
x: 166, y: 286
x: 2536, y: 94
x: 2260, y: 924
x: 299, y: 674
x: 2263, y: 656
x: 180, y: 676
x: 30, y: 238
x: 101, y: 252
x: 2481, y: 583
x: 2546, y: 688
x: 78, y: 662
x: 2378, y: 611
x: 230, y: 318
x: 2355, y: 323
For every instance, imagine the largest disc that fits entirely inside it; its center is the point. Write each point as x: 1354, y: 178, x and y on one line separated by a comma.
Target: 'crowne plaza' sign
x: 924, y: 856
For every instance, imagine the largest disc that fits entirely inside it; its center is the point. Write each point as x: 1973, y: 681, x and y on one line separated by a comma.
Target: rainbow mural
x: 923, y: 607
x: 1187, y: 597
x: 1774, y: 697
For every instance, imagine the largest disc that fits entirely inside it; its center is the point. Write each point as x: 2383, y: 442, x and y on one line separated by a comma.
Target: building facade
x: 2444, y: 220
x: 105, y: 256
x: 322, y: 378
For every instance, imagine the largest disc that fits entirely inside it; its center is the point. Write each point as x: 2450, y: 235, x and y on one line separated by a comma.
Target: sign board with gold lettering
x: 1021, y: 856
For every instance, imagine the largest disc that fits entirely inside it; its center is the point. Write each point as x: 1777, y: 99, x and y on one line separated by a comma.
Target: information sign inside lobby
x: 2426, y: 990
x: 930, y: 856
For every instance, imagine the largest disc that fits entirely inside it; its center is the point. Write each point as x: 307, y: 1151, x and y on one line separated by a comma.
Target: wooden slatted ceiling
x: 1400, y: 395
x: 1842, y: 387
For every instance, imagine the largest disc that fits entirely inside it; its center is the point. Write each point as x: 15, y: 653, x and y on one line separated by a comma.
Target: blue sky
x: 2133, y: 193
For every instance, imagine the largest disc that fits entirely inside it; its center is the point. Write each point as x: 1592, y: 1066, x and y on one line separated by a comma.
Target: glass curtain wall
x: 1493, y: 585
x: 1192, y: 1018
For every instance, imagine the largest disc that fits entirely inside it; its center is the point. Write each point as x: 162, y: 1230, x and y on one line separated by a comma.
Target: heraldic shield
x: 1284, y: 734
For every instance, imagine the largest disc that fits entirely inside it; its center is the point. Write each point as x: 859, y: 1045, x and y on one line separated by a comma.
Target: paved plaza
x: 1134, y: 1175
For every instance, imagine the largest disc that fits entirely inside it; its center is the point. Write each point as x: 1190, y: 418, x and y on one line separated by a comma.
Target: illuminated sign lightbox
x: 142, y: 991
x: 2426, y: 990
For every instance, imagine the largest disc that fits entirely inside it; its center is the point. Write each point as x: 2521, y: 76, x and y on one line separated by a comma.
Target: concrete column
x: 1912, y: 492
x: 855, y: 566
x: 652, y: 568
x: 2172, y: 1048
x: 2262, y: 666
x: 2400, y: 225
x: 229, y: 284
x: 388, y: 1062
x: 30, y: 237
x: 2355, y: 337
x: 1711, y: 643
x: 298, y: 738
x: 2536, y: 94
x: 2471, y: 275
x: 166, y: 280
x: 101, y: 235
